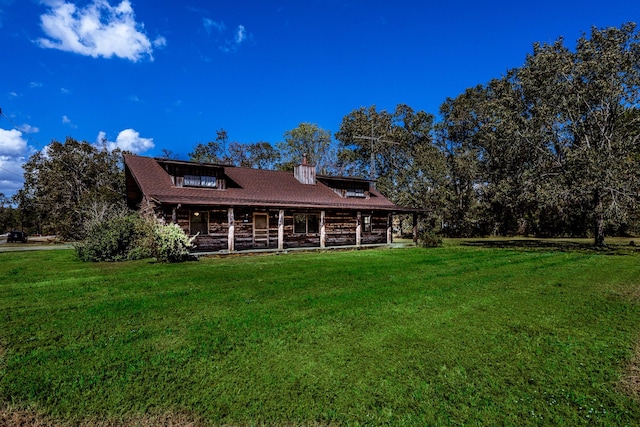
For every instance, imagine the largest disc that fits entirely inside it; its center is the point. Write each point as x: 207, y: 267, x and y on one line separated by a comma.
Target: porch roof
x: 250, y: 187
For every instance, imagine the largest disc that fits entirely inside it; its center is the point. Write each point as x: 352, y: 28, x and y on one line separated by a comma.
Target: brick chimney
x: 305, y: 173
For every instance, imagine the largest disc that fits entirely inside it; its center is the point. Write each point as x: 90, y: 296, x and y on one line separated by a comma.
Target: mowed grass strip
x: 454, y: 335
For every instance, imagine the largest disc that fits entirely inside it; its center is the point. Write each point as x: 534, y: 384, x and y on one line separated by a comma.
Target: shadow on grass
x: 555, y: 245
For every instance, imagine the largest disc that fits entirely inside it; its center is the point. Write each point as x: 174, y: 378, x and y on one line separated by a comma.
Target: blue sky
x: 149, y: 75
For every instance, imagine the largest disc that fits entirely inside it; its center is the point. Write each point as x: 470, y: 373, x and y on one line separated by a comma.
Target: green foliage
x: 62, y: 180
x: 556, y: 141
x: 397, y: 150
x: 117, y: 238
x: 462, y: 335
x: 171, y: 244
x: 212, y: 151
x: 429, y: 239
x: 309, y: 140
x: 120, y: 235
x: 9, y: 215
x: 258, y: 155
x: 208, y: 153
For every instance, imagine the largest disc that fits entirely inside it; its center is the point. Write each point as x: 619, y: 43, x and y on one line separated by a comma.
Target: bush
x: 119, y: 238
x: 127, y: 236
x: 429, y: 239
x: 171, y: 244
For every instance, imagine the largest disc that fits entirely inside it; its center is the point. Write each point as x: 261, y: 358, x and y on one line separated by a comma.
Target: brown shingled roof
x: 256, y: 188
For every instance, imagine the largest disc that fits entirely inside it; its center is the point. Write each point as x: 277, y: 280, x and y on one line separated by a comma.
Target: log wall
x: 378, y: 233
x: 340, y: 228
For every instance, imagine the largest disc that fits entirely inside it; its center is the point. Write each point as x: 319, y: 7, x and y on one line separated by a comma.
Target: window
x: 366, y: 223
x: 355, y: 192
x: 192, y: 180
x: 313, y: 224
x: 306, y: 223
x: 300, y: 224
x: 200, y: 181
x: 208, y: 181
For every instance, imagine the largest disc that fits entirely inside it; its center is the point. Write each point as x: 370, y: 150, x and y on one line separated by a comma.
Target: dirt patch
x: 635, y: 295
x: 12, y: 418
x: 630, y: 383
x: 631, y: 293
x: 24, y: 418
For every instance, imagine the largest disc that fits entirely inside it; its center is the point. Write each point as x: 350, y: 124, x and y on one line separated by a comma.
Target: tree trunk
x: 598, y: 223
x: 599, y: 230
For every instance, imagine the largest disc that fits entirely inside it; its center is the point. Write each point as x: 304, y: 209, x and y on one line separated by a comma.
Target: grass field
x: 459, y: 335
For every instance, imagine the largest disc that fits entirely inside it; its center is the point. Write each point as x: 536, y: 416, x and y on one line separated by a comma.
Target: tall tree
x: 9, y: 216
x: 464, y: 212
x: 557, y: 139
x: 487, y: 121
x: 309, y: 140
x: 397, y: 151
x: 587, y: 102
x: 213, y: 151
x: 169, y: 154
x: 206, y: 153
x: 257, y: 155
x: 64, y: 179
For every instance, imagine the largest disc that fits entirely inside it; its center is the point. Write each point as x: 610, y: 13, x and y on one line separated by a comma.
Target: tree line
x: 550, y: 148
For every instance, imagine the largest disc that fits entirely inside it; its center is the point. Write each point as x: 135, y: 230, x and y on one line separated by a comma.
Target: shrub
x: 129, y: 236
x: 429, y: 239
x: 117, y: 238
x: 171, y: 244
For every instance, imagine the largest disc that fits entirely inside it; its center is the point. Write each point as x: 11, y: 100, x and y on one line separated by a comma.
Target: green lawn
x: 460, y: 335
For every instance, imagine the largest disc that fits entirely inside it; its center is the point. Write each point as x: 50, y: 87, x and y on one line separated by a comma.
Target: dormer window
x: 348, y: 187
x: 200, y: 181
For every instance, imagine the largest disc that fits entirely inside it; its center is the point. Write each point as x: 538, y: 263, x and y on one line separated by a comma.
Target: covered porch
x: 246, y: 228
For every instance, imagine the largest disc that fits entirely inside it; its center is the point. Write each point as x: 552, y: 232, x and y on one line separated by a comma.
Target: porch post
x: 389, y: 229
x: 281, y: 230
x: 323, y: 231
x: 415, y: 227
x: 359, y: 229
x: 231, y: 238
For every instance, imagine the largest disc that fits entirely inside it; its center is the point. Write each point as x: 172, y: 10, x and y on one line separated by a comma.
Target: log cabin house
x: 234, y: 208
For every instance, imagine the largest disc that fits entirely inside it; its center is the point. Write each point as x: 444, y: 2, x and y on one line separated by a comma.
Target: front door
x: 260, y: 230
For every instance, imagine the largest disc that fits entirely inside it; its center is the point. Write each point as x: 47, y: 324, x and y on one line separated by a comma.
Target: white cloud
x: 241, y: 34
x: 11, y: 143
x: 231, y: 41
x: 210, y: 24
x: 159, y: 42
x: 13, y: 149
x: 127, y: 140
x: 240, y: 37
x: 27, y: 128
x: 11, y: 175
x: 67, y: 121
x: 97, y: 30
